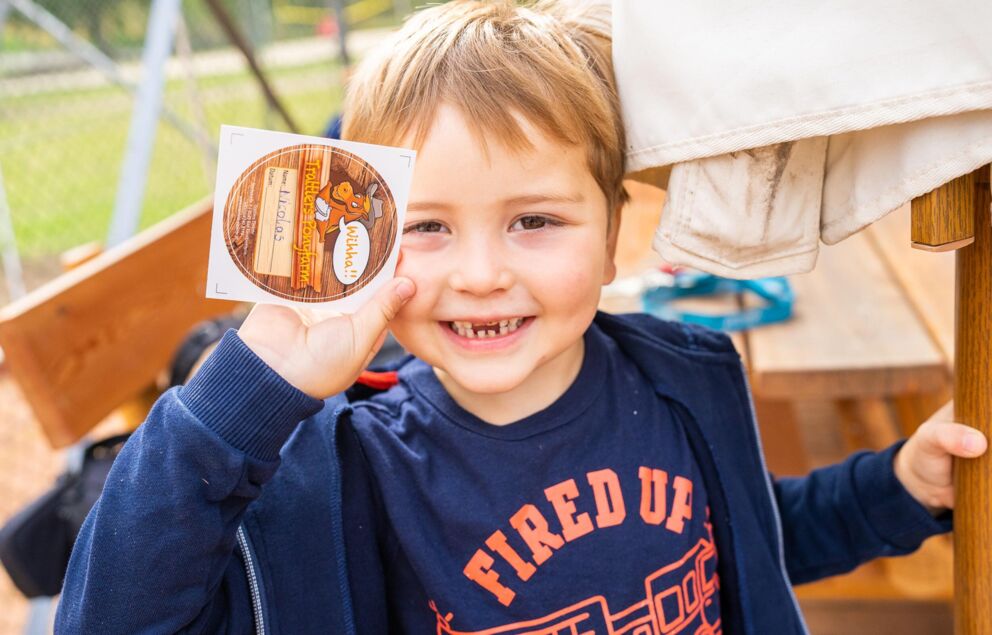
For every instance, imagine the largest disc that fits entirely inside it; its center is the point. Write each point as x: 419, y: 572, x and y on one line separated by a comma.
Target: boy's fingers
x: 375, y: 349
x: 371, y: 320
x: 946, y: 412
x: 948, y: 437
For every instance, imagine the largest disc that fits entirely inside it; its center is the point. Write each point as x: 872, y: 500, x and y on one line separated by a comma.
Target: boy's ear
x: 612, y: 234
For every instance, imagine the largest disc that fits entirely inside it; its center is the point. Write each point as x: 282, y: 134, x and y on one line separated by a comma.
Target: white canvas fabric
x: 794, y: 121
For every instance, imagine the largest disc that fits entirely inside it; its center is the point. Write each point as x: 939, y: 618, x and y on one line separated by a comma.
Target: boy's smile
x: 488, y: 334
x: 509, y: 250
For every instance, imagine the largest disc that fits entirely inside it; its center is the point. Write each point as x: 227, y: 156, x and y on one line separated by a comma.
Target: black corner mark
x: 408, y: 158
x: 217, y: 289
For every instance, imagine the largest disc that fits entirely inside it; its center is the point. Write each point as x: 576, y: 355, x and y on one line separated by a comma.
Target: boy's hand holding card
x: 323, y: 357
x: 313, y: 225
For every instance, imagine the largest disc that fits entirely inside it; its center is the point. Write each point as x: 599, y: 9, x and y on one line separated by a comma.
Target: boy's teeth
x: 487, y: 330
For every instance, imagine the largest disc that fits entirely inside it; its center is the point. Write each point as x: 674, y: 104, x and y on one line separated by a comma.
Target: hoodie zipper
x: 253, y: 581
x: 774, y: 504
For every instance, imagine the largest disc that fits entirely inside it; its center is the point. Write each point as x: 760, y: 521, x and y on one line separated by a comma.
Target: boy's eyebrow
x: 420, y: 206
x: 544, y: 198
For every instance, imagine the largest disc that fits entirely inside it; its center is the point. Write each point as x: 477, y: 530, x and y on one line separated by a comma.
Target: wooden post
x: 973, y: 406
x: 957, y: 215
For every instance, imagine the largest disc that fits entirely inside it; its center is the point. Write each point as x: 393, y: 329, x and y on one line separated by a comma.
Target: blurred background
x: 70, y: 75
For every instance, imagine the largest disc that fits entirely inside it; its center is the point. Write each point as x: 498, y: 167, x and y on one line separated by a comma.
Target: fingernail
x: 404, y: 289
x: 972, y: 442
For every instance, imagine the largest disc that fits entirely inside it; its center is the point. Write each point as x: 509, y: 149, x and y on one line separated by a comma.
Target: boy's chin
x: 486, y: 379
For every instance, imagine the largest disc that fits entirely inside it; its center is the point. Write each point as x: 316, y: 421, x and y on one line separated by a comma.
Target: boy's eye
x: 425, y: 227
x: 532, y: 222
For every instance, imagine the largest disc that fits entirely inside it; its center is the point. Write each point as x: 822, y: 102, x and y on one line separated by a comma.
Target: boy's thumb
x: 373, y: 318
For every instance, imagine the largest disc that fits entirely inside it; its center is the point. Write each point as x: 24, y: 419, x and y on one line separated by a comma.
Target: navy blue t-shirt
x: 589, y: 516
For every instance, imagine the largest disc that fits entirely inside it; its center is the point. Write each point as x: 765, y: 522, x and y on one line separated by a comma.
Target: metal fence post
x: 8, y: 248
x: 144, y: 122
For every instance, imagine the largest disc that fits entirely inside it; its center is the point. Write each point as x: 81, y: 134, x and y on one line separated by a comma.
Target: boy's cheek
x: 411, y: 264
x: 568, y: 283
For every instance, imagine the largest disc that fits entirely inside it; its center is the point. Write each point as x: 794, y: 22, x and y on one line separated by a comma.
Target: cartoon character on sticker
x: 340, y: 201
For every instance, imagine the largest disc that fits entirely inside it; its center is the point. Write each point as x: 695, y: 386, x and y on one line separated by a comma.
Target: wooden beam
x: 98, y: 335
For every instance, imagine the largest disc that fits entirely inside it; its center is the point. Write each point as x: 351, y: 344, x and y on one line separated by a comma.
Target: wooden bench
x: 99, y: 335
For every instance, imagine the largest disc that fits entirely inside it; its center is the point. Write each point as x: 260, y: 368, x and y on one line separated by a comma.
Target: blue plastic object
x: 776, y: 292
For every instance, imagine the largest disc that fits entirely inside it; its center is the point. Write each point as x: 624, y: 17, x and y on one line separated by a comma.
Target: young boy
x: 536, y: 467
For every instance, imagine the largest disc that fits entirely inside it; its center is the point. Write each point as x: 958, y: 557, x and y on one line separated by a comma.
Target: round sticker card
x: 304, y: 219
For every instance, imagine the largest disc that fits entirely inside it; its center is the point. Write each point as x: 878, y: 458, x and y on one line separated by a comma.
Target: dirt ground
x: 28, y: 466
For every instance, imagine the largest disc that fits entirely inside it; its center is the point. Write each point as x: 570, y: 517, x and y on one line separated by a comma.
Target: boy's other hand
x: 923, y: 463
x: 322, y: 355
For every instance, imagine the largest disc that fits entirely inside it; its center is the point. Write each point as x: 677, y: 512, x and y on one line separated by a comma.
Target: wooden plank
x: 927, y: 279
x: 858, y: 617
x: 72, y: 258
x: 98, y: 335
x: 853, y: 334
x: 926, y: 575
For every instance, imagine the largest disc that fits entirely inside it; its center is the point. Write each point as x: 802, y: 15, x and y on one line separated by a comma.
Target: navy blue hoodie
x: 243, y: 505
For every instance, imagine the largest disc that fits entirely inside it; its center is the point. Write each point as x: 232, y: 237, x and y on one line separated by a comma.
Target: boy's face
x: 518, y: 238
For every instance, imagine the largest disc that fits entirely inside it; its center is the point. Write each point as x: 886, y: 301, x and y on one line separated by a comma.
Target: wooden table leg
x: 781, y: 437
x: 867, y: 423
x: 913, y: 409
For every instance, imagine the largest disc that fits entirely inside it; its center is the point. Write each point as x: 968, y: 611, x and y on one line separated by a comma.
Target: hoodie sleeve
x: 842, y: 515
x: 156, y: 553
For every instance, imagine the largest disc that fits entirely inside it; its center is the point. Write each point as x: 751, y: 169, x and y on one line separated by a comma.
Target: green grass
x: 61, y: 152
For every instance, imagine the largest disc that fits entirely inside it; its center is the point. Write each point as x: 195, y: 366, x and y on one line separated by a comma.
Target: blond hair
x: 548, y: 62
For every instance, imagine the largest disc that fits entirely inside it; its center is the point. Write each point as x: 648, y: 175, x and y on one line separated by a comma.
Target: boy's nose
x: 480, y: 269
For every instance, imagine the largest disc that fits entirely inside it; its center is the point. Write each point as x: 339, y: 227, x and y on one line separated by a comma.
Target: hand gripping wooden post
x: 942, y: 220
